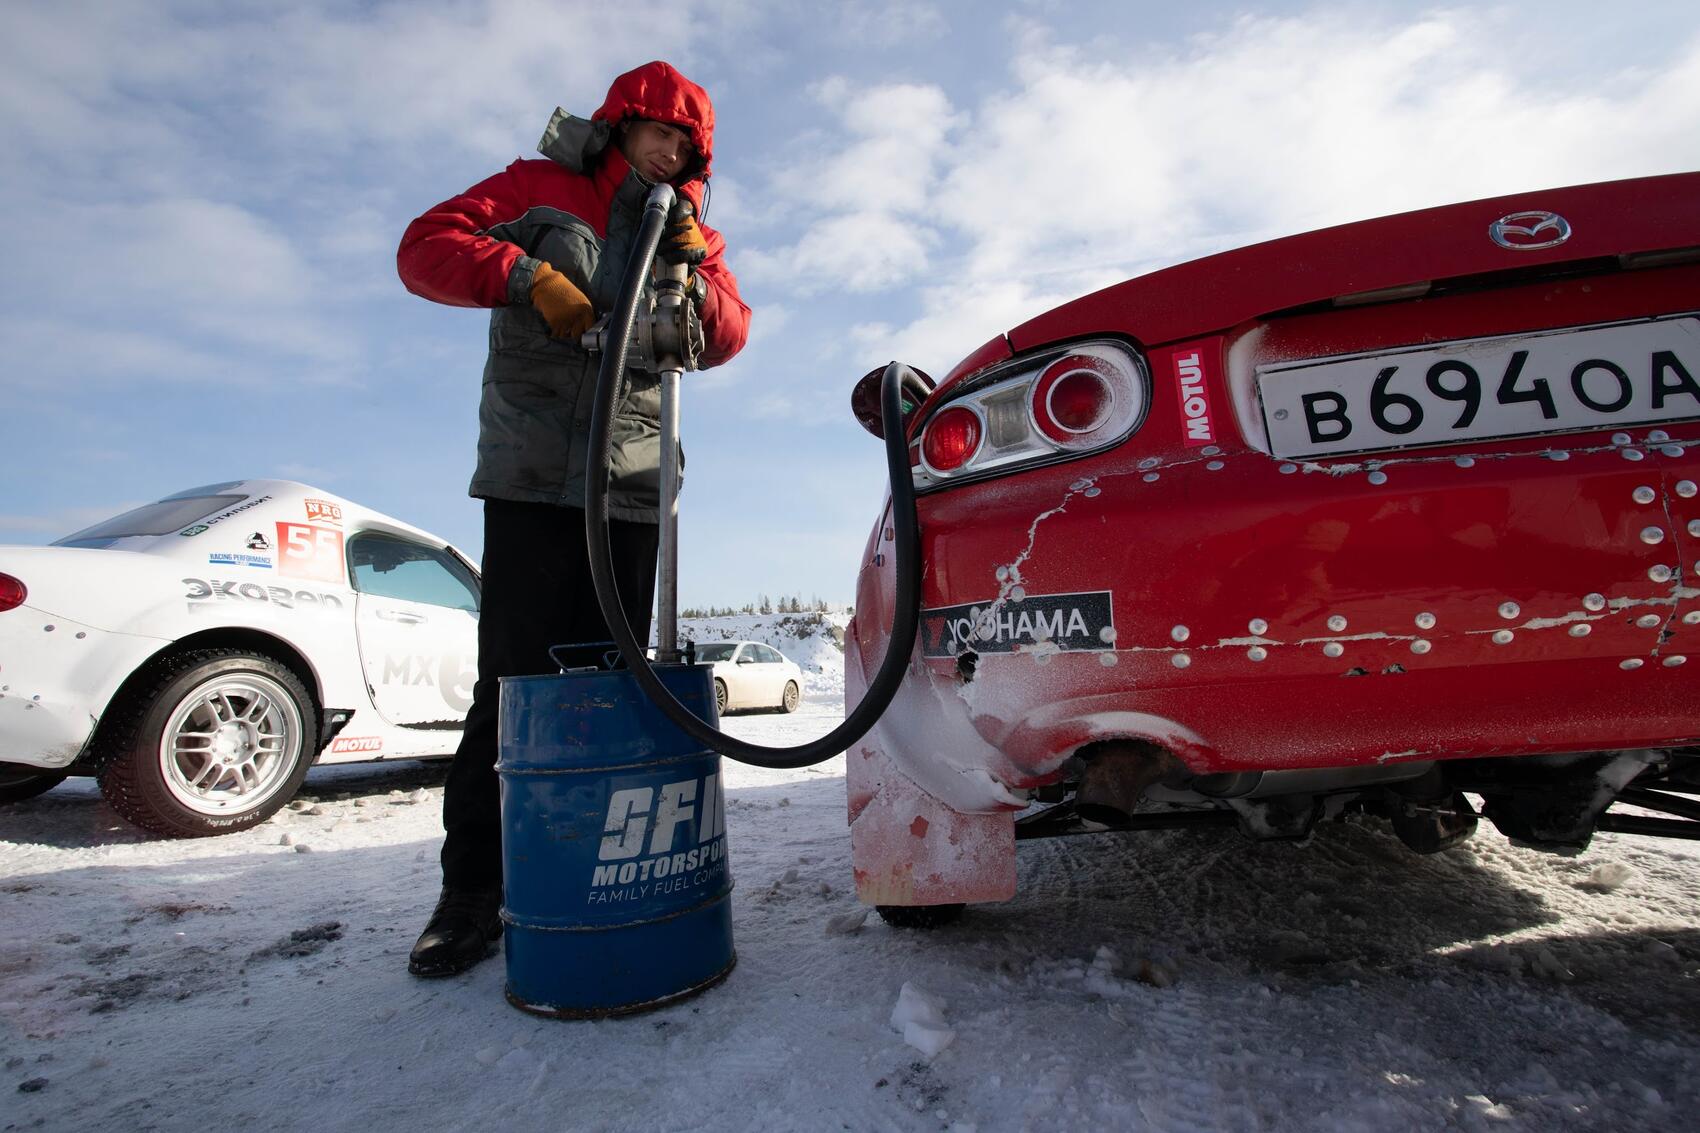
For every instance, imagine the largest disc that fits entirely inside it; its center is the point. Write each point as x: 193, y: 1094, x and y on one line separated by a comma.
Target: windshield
x: 719, y: 651
x: 161, y: 518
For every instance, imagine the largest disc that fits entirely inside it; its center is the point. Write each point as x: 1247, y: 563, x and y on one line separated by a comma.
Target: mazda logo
x: 1527, y: 231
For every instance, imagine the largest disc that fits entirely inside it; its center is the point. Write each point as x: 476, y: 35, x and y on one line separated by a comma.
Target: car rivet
x: 1631, y: 663
x: 1425, y: 620
x: 1093, y: 492
x: 1673, y: 450
x: 1215, y: 466
x: 1509, y: 610
x: 1503, y: 637
x: 1633, y: 454
x: 1289, y: 469
x: 1150, y: 462
x: 1337, y: 623
x: 81, y: 635
x: 1659, y: 573
x: 1258, y: 626
x: 1041, y: 658
x: 1151, y: 477
x: 1658, y: 435
x: 1180, y: 633
x: 1377, y: 477
x: 1002, y: 573
x: 1594, y: 602
x: 1079, y: 484
x: 1645, y: 495
x: 1675, y: 660
x: 1686, y: 489
x: 1210, y: 450
x: 1648, y: 621
x: 1107, y: 634
x: 47, y: 629
x: 1257, y: 653
x: 1558, y: 455
x: 1465, y: 462
x: 1694, y: 527
x: 1651, y: 535
x: 1108, y: 659
x: 1333, y: 649
x: 1420, y: 646
x: 1581, y: 629
x: 1691, y: 618
x: 1620, y: 438
x: 1180, y: 660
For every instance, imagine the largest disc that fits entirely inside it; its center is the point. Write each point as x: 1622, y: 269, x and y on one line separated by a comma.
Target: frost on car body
x: 1365, y: 517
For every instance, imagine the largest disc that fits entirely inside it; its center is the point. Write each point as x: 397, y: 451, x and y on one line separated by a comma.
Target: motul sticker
x: 323, y: 511
x: 356, y: 743
x: 304, y: 551
x: 1192, y: 394
x: 1067, y: 621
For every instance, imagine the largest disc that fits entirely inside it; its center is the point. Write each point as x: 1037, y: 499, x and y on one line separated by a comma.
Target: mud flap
x: 908, y: 848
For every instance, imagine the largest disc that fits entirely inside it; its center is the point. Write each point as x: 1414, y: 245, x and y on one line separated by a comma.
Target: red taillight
x: 951, y: 440
x: 12, y: 592
x: 1073, y: 396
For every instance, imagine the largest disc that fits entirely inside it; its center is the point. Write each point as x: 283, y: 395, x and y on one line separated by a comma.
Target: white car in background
x: 748, y: 674
x: 199, y: 653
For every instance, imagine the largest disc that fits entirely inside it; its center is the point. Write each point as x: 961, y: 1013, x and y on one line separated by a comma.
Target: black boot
x: 460, y: 932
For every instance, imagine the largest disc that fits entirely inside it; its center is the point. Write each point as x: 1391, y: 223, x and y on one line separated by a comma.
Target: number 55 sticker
x: 305, y: 551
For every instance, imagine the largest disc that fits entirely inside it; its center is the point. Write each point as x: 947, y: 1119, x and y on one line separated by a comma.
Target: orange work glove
x: 682, y: 242
x: 563, y: 306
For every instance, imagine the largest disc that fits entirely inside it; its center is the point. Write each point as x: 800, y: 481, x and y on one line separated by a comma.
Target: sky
x: 205, y: 198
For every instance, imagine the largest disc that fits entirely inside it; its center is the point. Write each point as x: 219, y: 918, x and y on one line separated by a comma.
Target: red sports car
x: 1373, y: 518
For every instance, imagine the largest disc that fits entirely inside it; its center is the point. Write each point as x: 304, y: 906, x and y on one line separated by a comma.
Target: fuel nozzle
x: 668, y: 334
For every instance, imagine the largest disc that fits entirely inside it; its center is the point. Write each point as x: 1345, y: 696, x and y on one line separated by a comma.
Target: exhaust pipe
x: 1115, y: 777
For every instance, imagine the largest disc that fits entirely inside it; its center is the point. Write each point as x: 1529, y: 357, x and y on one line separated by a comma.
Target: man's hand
x: 563, y: 306
x: 682, y: 242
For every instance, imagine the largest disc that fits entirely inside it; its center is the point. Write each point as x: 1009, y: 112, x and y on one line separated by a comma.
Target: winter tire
x: 791, y: 697
x: 919, y: 916
x: 209, y: 742
x: 719, y: 698
x: 19, y: 782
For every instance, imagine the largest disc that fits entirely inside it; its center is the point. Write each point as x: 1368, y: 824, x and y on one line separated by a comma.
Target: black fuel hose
x: 906, y: 600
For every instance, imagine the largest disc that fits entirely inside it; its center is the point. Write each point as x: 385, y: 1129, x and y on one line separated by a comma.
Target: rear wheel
x: 19, y: 782
x: 791, y: 697
x: 919, y: 916
x: 210, y: 742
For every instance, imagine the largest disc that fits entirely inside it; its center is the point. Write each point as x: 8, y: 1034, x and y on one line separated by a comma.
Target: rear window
x: 717, y: 652
x: 161, y: 518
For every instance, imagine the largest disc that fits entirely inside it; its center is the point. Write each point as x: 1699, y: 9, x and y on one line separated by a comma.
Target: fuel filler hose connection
x: 610, y: 392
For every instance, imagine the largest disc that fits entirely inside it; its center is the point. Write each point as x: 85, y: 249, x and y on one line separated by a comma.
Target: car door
x: 416, y: 615
x: 767, y: 675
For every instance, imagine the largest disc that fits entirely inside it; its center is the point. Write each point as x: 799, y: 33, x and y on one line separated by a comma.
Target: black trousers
x: 537, y: 593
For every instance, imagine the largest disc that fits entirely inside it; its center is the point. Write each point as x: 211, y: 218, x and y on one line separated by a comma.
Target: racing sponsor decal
x: 305, y: 551
x: 194, y: 530
x: 1067, y: 621
x: 356, y: 743
x: 1192, y: 393
x: 452, y: 676
x: 657, y: 841
x: 257, y: 541
x: 323, y: 511
x: 227, y: 558
x: 203, y: 590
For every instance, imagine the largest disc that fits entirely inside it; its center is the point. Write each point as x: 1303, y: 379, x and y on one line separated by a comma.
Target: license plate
x: 1511, y: 386
x: 1067, y: 621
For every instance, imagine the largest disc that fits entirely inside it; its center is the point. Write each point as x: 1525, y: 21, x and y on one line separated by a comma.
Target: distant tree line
x: 792, y: 604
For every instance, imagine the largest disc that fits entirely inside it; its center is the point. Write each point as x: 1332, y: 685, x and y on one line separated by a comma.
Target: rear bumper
x: 56, y: 678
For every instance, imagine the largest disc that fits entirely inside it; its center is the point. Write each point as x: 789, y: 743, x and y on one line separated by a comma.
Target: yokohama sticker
x: 1192, y: 368
x: 1068, y: 621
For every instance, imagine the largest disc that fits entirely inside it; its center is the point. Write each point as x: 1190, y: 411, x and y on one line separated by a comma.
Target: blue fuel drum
x: 617, y: 889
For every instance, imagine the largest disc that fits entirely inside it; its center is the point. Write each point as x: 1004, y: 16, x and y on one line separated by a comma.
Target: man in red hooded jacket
x: 544, y: 244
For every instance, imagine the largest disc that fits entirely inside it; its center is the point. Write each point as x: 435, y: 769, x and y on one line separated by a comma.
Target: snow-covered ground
x: 1183, y: 980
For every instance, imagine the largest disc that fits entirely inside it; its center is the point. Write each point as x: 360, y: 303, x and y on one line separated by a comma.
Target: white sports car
x: 199, y: 653
x: 748, y: 674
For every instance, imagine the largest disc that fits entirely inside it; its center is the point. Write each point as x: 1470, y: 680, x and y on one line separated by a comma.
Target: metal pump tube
x: 610, y: 392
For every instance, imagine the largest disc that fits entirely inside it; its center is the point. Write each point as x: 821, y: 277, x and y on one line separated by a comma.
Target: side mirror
x: 865, y: 397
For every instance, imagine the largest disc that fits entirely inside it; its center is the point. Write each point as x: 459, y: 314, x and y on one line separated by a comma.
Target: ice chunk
x: 1550, y: 967
x: 1105, y: 959
x: 917, y: 1005
x: 1608, y: 876
x: 303, y: 848
x: 287, y: 839
x: 419, y: 796
x: 928, y: 1038
x: 846, y: 923
x: 487, y: 1056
